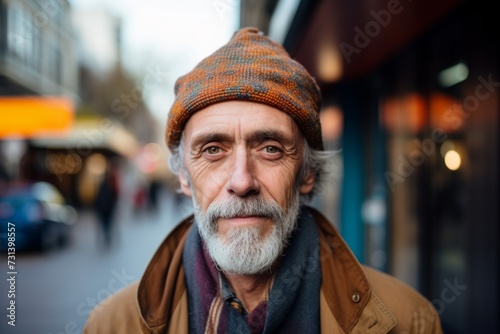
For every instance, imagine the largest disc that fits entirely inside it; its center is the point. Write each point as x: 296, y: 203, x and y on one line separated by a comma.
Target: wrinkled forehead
x: 250, y: 121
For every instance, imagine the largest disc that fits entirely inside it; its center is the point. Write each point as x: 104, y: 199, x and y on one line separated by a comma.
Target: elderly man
x: 246, y: 143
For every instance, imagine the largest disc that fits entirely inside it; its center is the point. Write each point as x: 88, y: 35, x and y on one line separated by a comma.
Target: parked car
x: 40, y: 214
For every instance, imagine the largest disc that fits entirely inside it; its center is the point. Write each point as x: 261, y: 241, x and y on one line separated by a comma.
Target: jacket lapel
x: 345, y: 287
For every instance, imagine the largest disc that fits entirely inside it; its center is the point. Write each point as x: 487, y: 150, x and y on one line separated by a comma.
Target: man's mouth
x: 243, y: 220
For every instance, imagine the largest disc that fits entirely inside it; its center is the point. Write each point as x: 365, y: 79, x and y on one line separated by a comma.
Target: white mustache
x: 233, y: 207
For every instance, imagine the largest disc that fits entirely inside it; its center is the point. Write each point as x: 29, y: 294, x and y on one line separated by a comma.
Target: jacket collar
x: 344, y: 284
x: 162, y: 284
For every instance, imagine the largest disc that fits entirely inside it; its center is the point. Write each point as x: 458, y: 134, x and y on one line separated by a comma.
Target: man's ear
x: 183, y: 180
x: 307, y: 184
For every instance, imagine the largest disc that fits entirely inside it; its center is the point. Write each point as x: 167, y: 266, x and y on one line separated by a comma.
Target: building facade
x: 37, y: 53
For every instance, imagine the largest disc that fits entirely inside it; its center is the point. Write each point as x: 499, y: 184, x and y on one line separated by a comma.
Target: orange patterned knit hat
x: 250, y: 67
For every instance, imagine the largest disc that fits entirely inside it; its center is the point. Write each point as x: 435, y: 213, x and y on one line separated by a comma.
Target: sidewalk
x: 137, y: 235
x: 57, y: 291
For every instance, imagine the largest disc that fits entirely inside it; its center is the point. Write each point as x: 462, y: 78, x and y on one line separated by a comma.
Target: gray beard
x: 244, y: 251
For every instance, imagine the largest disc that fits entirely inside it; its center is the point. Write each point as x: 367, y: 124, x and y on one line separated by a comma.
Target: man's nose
x: 242, y: 181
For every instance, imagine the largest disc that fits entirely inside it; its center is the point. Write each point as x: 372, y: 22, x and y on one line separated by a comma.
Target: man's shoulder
x: 117, y: 314
x: 383, y: 283
x: 410, y: 307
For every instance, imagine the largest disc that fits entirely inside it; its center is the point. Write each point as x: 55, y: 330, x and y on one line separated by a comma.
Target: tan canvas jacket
x: 354, y: 298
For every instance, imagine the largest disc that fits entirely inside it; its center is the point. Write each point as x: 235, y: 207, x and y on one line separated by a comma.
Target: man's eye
x: 272, y: 149
x: 212, y: 150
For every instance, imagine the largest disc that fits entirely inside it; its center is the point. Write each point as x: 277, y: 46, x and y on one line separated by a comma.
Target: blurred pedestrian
x: 106, y: 202
x: 154, y: 189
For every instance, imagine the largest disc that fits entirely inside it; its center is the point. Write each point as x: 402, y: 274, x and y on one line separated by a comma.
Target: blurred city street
x: 56, y: 291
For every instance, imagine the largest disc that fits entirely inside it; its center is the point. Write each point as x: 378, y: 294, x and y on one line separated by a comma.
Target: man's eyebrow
x: 255, y: 137
x: 210, y: 137
x: 263, y: 135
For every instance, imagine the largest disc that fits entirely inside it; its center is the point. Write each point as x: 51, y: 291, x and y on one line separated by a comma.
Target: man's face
x: 242, y: 160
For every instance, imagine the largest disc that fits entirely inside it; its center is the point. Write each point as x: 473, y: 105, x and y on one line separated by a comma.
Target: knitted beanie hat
x: 250, y: 67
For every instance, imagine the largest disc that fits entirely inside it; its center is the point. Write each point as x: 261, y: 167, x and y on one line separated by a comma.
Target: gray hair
x: 314, y: 161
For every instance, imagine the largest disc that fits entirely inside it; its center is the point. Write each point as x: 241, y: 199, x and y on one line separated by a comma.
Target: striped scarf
x: 293, y: 304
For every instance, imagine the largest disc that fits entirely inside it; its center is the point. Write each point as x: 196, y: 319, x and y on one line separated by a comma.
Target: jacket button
x: 356, y: 298
x: 236, y: 306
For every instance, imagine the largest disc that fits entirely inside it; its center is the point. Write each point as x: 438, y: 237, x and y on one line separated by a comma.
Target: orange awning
x: 35, y: 116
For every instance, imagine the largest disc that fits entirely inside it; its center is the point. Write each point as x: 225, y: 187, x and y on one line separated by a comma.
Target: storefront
x: 417, y: 87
